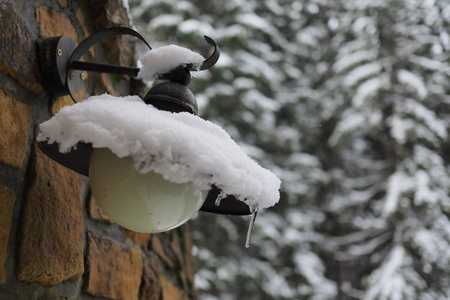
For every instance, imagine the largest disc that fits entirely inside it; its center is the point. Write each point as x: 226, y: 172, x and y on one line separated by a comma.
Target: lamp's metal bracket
x: 62, y: 68
x: 54, y: 56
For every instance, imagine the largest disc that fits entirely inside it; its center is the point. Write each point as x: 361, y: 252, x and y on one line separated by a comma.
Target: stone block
x: 7, y: 200
x: 151, y: 285
x: 159, y: 249
x: 110, y: 13
x: 188, y: 271
x: 62, y: 3
x: 63, y: 101
x: 115, y: 271
x: 96, y: 213
x: 53, y: 23
x: 170, y: 291
x: 51, y: 243
x: 15, y: 124
x: 139, y: 238
x: 81, y: 18
x: 18, y: 57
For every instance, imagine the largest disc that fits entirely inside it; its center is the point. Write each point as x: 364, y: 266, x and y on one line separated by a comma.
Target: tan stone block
x: 151, y: 285
x: 53, y: 23
x: 170, y: 291
x: 110, y: 13
x: 96, y: 213
x: 107, y: 83
x: 158, y: 248
x: 62, y: 3
x: 81, y: 18
x: 51, y: 244
x: 7, y: 200
x: 187, y: 272
x: 63, y: 101
x: 18, y: 57
x: 139, y: 238
x: 189, y: 266
x: 115, y: 271
x: 15, y: 124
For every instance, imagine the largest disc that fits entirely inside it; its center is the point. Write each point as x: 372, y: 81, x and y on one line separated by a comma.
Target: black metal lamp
x: 62, y: 71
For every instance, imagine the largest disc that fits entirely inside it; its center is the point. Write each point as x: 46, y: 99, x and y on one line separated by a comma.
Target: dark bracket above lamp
x: 63, y: 73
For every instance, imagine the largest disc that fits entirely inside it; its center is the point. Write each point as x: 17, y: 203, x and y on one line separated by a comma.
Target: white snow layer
x: 180, y: 146
x: 162, y: 60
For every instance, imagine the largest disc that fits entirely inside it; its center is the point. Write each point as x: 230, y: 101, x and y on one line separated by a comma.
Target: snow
x: 197, y: 27
x: 428, y: 117
x: 430, y: 64
x: 253, y: 21
x: 413, y: 81
x: 353, y: 120
x: 400, y: 128
x: 354, y: 58
x: 362, y: 72
x: 162, y: 60
x: 397, y: 184
x: 311, y: 267
x: 369, y: 89
x: 165, y: 21
x: 395, y: 279
x: 180, y: 146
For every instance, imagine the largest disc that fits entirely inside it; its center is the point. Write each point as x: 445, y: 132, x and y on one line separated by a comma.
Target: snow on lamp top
x: 180, y: 146
x: 162, y: 60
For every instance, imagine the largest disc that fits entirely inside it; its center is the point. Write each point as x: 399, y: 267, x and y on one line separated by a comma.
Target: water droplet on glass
x: 250, y: 227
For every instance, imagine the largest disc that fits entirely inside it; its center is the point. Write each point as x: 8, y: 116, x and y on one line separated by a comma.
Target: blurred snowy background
x: 348, y: 102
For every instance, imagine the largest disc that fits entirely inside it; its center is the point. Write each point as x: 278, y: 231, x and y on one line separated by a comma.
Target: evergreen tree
x: 389, y: 193
x: 346, y: 102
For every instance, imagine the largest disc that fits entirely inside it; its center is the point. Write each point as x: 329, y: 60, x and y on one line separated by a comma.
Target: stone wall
x: 55, y: 243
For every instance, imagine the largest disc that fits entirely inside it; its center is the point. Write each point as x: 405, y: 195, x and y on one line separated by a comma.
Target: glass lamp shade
x: 140, y: 202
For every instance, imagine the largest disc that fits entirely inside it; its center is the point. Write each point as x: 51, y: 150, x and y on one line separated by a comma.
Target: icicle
x: 250, y: 227
x: 219, y: 198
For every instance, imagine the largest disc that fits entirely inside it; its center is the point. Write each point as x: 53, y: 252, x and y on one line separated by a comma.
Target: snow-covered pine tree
x: 348, y: 102
x: 389, y: 194
x: 265, y: 91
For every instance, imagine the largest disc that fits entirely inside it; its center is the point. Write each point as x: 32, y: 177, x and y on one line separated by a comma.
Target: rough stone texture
x: 60, y: 102
x: 48, y: 242
x: 63, y: 3
x: 107, y: 83
x: 158, y: 248
x: 115, y: 271
x: 139, y: 238
x: 170, y: 291
x: 176, y: 249
x: 111, y: 13
x: 96, y: 213
x: 18, y: 57
x: 188, y: 270
x: 53, y: 23
x: 81, y: 18
x: 51, y: 244
x: 7, y: 200
x: 151, y: 285
x: 15, y: 119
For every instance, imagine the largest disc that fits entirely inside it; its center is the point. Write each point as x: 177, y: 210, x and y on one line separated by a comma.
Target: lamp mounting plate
x: 54, y: 57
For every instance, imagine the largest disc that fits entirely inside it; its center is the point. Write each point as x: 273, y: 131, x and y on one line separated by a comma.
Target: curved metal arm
x: 74, y: 64
x: 211, y: 61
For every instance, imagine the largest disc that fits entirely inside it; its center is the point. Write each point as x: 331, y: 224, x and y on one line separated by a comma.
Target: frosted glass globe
x: 140, y: 202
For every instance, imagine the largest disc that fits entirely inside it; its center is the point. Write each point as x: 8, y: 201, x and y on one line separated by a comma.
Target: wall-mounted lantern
x: 152, y: 162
